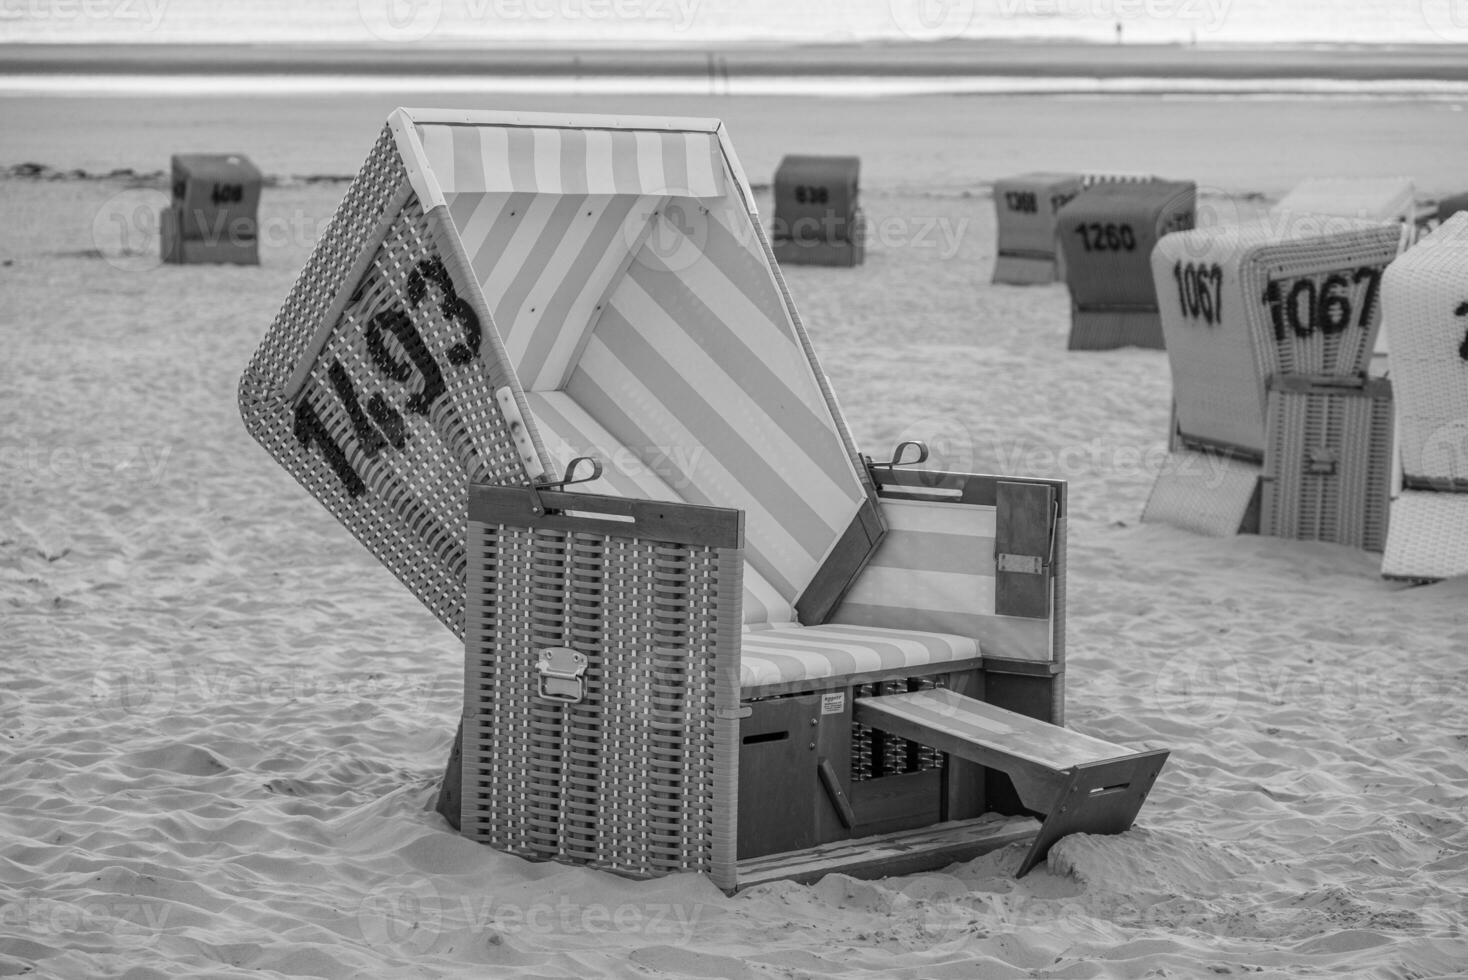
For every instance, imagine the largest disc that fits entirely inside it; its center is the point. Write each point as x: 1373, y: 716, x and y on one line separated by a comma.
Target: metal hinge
x: 1028, y: 564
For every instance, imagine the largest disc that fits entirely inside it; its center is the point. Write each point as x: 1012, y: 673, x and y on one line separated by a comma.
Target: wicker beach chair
x: 1270, y: 327
x: 1425, y: 299
x: 1106, y: 235
x: 214, y: 214
x: 1367, y: 198
x: 546, y: 369
x: 818, y: 219
x: 1026, y: 208
x: 1450, y: 206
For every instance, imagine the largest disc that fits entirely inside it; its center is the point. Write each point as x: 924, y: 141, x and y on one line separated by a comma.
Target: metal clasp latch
x: 1320, y: 461
x: 562, y: 679
x: 570, y: 479
x: 897, y: 460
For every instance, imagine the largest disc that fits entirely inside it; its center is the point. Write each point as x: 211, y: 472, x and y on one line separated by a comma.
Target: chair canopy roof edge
x: 409, y: 126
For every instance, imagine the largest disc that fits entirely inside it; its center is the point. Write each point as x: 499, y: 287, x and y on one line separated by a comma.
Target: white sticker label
x: 833, y: 704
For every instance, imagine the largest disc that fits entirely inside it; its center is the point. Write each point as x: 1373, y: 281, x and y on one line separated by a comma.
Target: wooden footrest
x: 884, y: 855
x: 1081, y: 784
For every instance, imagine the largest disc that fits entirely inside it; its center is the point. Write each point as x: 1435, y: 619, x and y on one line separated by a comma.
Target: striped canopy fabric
x: 606, y: 287
x: 625, y: 280
x: 545, y: 264
x: 697, y: 370
x: 545, y: 160
x: 568, y: 432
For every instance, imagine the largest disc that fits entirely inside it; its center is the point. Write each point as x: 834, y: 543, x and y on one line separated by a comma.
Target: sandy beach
x: 223, y: 723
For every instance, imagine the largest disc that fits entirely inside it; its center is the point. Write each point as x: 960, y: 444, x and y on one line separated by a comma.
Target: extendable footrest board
x: 1081, y: 784
x: 1427, y: 539
x: 1203, y: 492
x: 885, y: 855
x: 1103, y: 328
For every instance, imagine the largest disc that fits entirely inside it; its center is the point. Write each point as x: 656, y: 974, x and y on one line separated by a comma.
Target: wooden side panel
x: 785, y: 804
x: 901, y: 802
x: 842, y: 566
x: 1026, y: 512
x: 779, y: 780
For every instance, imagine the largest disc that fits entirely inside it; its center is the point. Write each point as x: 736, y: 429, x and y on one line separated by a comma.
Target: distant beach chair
x: 1026, y: 208
x: 214, y: 214
x: 1106, y: 235
x: 546, y: 369
x: 1367, y: 198
x: 818, y: 220
x: 1425, y: 298
x: 1277, y: 427
x: 1450, y: 206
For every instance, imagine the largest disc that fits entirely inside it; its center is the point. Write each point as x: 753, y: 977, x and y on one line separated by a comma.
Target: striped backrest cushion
x: 568, y: 432
x: 695, y: 366
x: 544, y: 263
x: 934, y: 571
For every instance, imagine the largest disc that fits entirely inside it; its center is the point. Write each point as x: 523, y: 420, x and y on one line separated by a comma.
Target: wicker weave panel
x: 1224, y: 297
x: 1328, y: 470
x: 1206, y: 493
x: 1428, y: 537
x: 374, y: 386
x: 1425, y: 295
x: 639, y: 778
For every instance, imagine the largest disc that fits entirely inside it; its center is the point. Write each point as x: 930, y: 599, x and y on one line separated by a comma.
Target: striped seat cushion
x: 789, y: 655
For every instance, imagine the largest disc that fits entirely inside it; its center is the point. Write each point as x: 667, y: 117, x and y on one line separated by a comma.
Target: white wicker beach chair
x: 1425, y: 300
x: 1026, y: 208
x: 1270, y: 326
x: 1106, y: 235
x: 546, y: 369
x: 1367, y: 198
